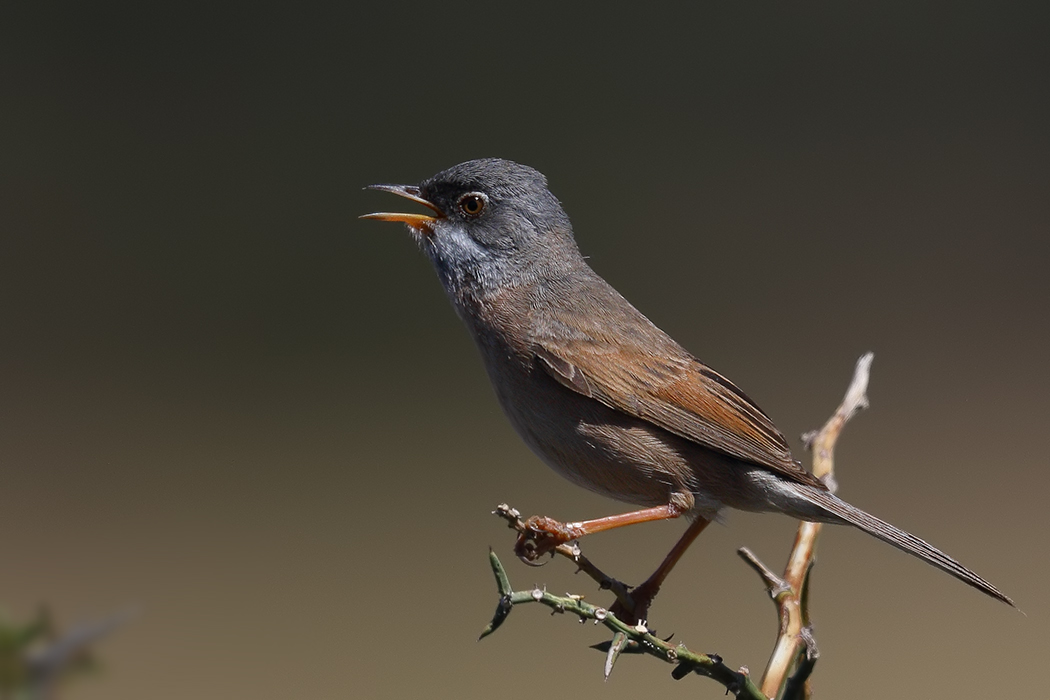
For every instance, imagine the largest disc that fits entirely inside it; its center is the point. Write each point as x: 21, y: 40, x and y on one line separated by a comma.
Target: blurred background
x: 228, y: 402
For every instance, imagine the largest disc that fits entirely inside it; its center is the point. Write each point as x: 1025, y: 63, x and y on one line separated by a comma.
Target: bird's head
x: 492, y: 223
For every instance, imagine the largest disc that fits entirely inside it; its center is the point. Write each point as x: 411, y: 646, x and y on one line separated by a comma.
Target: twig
x: 573, y: 553
x: 640, y: 639
x: 795, y: 647
x: 797, y: 686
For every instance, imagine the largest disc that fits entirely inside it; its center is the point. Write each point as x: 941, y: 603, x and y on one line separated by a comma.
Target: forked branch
x: 795, y: 651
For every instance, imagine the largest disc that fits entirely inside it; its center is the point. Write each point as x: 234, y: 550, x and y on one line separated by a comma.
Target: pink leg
x: 542, y: 534
x: 643, y: 595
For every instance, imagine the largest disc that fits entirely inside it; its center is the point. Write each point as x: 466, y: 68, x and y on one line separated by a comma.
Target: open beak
x: 415, y: 221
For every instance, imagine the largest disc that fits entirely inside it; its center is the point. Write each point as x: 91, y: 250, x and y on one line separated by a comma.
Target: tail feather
x: 898, y: 538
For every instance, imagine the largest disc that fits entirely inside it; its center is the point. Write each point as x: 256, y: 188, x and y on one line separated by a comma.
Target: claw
x: 534, y: 560
x: 540, y: 536
x: 641, y: 598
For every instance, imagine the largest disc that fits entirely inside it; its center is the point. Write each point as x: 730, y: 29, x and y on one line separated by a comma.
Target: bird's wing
x: 673, y: 390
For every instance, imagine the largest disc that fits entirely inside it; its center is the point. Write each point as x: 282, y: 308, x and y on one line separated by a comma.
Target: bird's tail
x: 898, y: 538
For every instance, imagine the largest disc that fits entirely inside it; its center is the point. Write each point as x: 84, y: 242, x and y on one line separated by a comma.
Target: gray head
x: 494, y: 224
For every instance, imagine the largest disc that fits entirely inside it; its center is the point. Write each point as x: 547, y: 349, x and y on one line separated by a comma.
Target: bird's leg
x: 643, y: 595
x: 542, y: 534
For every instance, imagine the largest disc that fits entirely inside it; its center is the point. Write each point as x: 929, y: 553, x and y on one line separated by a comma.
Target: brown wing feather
x: 674, y: 391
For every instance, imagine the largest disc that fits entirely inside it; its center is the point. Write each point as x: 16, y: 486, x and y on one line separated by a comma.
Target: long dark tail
x: 898, y: 538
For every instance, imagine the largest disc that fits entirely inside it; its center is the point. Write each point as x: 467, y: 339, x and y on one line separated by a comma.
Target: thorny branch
x: 787, y: 674
x: 639, y: 639
x: 572, y: 552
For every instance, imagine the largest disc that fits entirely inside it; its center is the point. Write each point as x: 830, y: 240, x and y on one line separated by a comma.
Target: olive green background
x: 228, y: 402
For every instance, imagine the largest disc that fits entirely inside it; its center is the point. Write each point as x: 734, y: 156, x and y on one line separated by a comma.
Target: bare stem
x: 795, y: 648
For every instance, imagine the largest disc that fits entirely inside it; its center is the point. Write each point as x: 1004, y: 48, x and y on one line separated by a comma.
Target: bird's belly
x: 603, y: 450
x: 622, y: 463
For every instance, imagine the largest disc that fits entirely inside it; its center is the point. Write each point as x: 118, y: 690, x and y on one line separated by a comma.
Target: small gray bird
x: 602, y: 395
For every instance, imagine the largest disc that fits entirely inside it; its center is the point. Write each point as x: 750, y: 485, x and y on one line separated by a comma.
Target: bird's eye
x: 472, y: 204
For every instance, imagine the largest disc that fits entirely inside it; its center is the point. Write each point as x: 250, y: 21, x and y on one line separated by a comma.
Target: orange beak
x: 416, y: 221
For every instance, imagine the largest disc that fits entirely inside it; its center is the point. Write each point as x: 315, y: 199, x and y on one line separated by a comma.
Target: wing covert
x: 676, y: 392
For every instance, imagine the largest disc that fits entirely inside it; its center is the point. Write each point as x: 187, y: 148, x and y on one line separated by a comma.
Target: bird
x: 599, y: 392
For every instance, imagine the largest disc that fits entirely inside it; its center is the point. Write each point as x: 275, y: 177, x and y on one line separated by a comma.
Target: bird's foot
x: 542, y: 535
x: 641, y: 598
